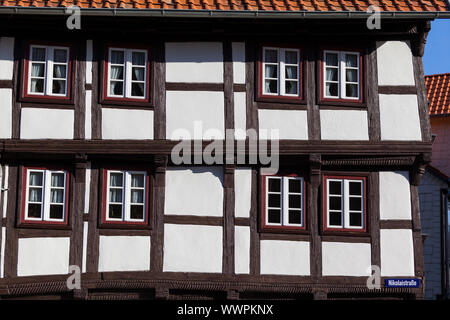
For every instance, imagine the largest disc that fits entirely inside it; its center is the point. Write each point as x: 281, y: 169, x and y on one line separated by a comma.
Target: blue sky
x: 437, y: 49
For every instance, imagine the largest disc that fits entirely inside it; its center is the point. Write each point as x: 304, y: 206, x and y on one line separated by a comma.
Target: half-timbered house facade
x: 90, y: 117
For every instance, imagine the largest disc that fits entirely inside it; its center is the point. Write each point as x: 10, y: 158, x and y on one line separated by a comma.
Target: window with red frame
x: 48, y: 71
x: 280, y: 72
x: 126, y: 196
x: 45, y: 195
x: 341, y: 75
x: 127, y: 74
x: 283, y: 202
x: 344, y: 203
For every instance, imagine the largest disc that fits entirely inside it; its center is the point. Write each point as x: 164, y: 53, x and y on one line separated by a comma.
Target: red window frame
x: 148, y: 199
x: 26, y: 222
x: 25, y: 96
x: 362, y: 85
x: 147, y: 101
x: 282, y: 228
x: 279, y: 98
x: 325, y: 226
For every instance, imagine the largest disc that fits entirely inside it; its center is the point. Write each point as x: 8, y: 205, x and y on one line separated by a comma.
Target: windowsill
x: 125, y: 225
x: 111, y: 102
x: 284, y: 230
x: 323, y: 102
x: 44, y: 225
x: 345, y: 232
x: 281, y: 99
x: 51, y: 100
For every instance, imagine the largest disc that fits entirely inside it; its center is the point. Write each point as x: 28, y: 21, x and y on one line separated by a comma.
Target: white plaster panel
x: 85, y: 239
x: 397, y: 252
x: 394, y: 60
x: 88, y: 115
x: 127, y: 124
x: 285, y: 257
x: 195, y: 115
x: 6, y: 58
x: 346, y: 259
x: 124, y: 253
x: 194, y: 62
x: 399, y: 117
x: 242, y: 250
x: 238, y: 49
x: 89, y: 54
x: 242, y: 192
x: 43, y: 256
x: 2, y: 252
x: 395, y: 195
x: 240, y: 115
x: 5, y: 113
x: 344, y: 125
x: 192, y: 248
x: 291, y: 124
x: 87, y: 188
x: 194, y: 191
x: 40, y: 123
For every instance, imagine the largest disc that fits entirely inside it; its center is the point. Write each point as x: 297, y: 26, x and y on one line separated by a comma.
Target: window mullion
x: 46, y: 196
x: 346, y: 197
x: 342, y: 75
x: 48, y: 70
x: 127, y: 198
x: 285, y: 196
x: 281, y: 75
x: 128, y: 74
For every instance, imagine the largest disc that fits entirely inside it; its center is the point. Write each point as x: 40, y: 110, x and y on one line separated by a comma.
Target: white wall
x: 399, y: 117
x: 397, y: 252
x: 124, y: 253
x: 194, y: 191
x: 194, y: 62
x: 186, y: 108
x: 285, y: 257
x: 344, y: 125
x: 242, y: 192
x: 127, y: 124
x: 394, y: 60
x: 346, y: 259
x: 238, y: 49
x: 395, y: 196
x: 6, y: 58
x: 40, y: 123
x: 192, y: 248
x: 43, y: 256
x: 292, y: 124
x: 5, y: 113
x: 240, y: 115
x: 241, y: 250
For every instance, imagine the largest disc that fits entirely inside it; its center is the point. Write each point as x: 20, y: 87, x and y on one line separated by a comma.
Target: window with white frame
x: 45, y: 195
x: 126, y: 196
x: 127, y: 73
x: 341, y: 74
x: 345, y: 199
x: 48, y: 71
x: 281, y: 72
x: 284, y: 197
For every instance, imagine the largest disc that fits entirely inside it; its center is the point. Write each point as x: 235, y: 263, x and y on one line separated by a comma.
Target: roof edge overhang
x: 252, y: 14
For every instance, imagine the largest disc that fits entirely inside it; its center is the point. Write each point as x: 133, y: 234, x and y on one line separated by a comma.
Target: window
x: 47, y: 72
x: 341, y: 74
x: 126, y: 196
x: 45, y: 196
x: 127, y: 74
x: 280, y: 73
x: 344, y: 202
x: 283, y: 202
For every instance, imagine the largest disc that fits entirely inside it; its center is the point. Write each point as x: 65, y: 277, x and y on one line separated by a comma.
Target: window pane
x: 37, y: 85
x: 34, y: 210
x: 137, y: 196
x: 138, y: 58
x: 351, y: 90
x: 137, y: 180
x: 356, y: 204
x: 138, y: 74
x: 291, y: 87
x: 274, y: 216
x: 116, y: 179
x: 115, y: 211
x: 117, y: 57
x: 57, y: 196
x: 274, y: 200
x: 295, y: 185
x: 137, y: 89
x: 59, y: 71
x: 271, y: 56
x: 356, y: 219
x: 57, y: 180
x: 56, y: 211
x: 332, y: 89
x: 332, y: 74
x: 137, y: 212
x: 271, y: 86
x: 351, y: 60
x: 295, y: 216
x: 38, y: 54
x: 271, y: 71
x: 35, y: 195
x: 59, y: 86
x: 291, y: 57
x: 60, y: 55
x: 331, y: 59
x: 335, y: 203
x: 355, y: 188
x: 351, y: 75
x: 335, y: 219
x: 295, y: 201
x: 334, y: 187
x: 37, y: 69
x: 291, y: 72
x: 35, y: 179
x: 116, y: 73
x: 115, y: 195
x: 117, y: 88
x: 274, y: 184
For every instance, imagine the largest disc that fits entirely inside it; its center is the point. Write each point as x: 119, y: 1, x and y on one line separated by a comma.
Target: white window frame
x: 341, y: 75
x: 46, y: 196
x: 48, y: 70
x: 127, y: 77
x: 281, y: 69
x: 345, y: 204
x: 126, y: 196
x: 284, y: 191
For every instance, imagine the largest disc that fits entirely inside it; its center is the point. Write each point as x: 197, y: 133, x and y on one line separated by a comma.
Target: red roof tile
x: 438, y: 94
x: 242, y: 5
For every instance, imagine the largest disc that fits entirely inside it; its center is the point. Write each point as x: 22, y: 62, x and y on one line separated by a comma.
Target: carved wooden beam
x: 419, y: 167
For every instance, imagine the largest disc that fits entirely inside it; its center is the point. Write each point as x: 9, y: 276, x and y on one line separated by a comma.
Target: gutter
x: 254, y: 14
